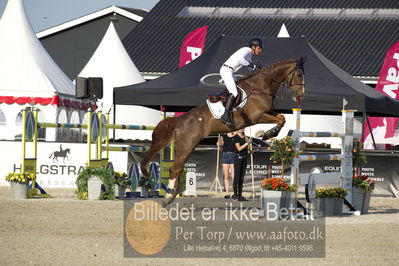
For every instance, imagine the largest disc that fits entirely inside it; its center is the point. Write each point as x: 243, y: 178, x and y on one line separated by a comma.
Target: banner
x: 193, y: 46
x: 388, y: 82
x: 58, y: 164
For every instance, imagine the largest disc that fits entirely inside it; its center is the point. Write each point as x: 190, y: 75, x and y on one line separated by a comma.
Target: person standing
x: 228, y: 158
x: 240, y: 163
x: 242, y: 57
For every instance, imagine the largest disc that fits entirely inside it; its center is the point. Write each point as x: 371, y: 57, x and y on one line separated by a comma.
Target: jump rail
x: 345, y: 176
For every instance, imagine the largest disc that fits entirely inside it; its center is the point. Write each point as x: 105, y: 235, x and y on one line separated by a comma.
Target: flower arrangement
x: 364, y: 182
x: 102, y: 173
x: 358, y: 156
x: 20, y: 177
x: 122, y: 180
x: 277, y: 184
x: 331, y: 192
x: 284, y: 151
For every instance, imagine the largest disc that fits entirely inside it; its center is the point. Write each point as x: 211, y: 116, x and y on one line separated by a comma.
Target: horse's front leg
x: 272, y: 118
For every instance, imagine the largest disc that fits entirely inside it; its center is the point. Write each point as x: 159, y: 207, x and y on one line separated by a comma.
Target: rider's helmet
x: 256, y: 42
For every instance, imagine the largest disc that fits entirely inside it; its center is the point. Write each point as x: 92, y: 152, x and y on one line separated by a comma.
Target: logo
x: 214, y: 79
x: 61, y: 153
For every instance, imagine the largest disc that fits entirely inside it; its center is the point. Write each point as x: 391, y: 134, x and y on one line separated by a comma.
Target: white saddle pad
x: 217, y: 108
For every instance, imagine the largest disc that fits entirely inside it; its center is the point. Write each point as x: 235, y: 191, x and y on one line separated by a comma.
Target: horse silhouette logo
x: 61, y: 153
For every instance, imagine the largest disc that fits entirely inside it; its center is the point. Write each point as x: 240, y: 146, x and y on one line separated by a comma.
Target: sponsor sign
x: 58, y: 164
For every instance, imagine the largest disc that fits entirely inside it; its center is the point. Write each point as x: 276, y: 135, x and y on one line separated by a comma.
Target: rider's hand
x: 252, y: 66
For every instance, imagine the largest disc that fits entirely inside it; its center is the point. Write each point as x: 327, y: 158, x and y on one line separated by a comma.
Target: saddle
x: 222, y: 96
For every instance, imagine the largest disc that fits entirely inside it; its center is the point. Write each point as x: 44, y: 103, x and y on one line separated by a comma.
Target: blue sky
x: 44, y: 14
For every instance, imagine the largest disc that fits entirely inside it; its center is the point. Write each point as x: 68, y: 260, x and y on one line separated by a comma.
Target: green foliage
x: 182, y: 181
x: 363, y: 182
x: 122, y: 180
x: 145, y: 183
x: 284, y: 150
x: 331, y: 192
x: 103, y: 174
x: 358, y: 156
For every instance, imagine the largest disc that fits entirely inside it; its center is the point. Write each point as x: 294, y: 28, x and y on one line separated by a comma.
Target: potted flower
x: 19, y: 184
x: 122, y: 181
x: 330, y: 200
x: 89, y: 183
x: 284, y: 152
x: 362, y: 187
x: 278, y: 192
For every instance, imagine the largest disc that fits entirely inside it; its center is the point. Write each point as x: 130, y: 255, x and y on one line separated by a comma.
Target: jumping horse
x: 189, y: 129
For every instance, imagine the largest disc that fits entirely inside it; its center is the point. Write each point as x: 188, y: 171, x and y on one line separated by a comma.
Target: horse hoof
x: 259, y: 133
x: 164, y: 204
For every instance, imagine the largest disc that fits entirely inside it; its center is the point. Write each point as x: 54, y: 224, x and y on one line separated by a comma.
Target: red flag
x: 193, y: 46
x: 388, y: 83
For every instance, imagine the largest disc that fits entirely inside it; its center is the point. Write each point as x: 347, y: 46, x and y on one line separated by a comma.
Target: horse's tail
x: 161, y: 136
x: 51, y: 155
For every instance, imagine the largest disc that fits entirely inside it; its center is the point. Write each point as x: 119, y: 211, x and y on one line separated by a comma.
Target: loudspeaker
x: 81, y: 88
x: 95, y: 87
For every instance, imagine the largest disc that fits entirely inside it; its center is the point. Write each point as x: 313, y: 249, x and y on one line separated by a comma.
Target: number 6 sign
x: 191, y: 184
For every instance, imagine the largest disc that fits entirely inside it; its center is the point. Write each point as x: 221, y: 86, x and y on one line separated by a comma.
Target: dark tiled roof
x: 356, y: 43
x: 137, y: 11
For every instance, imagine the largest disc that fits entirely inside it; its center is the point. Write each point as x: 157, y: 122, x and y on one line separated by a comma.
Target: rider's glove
x: 252, y: 66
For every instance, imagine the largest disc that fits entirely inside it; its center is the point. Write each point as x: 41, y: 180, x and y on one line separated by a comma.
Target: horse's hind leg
x: 184, y: 146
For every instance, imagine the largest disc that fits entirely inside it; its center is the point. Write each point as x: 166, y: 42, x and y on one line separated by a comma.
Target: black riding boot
x: 240, y: 197
x: 226, y: 117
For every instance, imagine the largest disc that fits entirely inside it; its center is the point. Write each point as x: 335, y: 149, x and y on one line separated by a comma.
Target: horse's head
x: 295, y: 78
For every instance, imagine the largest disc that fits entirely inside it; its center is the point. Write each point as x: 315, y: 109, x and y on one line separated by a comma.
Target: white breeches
x: 228, y: 78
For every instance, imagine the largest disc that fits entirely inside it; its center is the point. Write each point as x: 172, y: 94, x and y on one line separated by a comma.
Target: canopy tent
x: 111, y: 62
x: 326, y: 84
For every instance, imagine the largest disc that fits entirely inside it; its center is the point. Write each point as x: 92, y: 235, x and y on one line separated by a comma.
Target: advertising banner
x: 193, y: 46
x: 388, y: 82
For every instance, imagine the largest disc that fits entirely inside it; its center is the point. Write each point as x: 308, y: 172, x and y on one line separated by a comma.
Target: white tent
x: 30, y: 70
x: 111, y: 62
x: 283, y: 32
x: 29, y: 76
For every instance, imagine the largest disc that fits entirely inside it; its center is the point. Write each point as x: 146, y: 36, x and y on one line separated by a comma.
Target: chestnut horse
x: 189, y: 129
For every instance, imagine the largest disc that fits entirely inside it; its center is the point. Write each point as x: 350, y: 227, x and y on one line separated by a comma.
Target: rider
x: 242, y: 57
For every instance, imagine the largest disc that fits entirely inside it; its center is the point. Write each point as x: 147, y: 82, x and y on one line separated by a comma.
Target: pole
x: 216, y: 182
x: 253, y: 195
x: 99, y: 138
x: 371, y: 132
x: 89, y: 113
x: 107, y: 135
x: 35, y: 133
x: 23, y: 140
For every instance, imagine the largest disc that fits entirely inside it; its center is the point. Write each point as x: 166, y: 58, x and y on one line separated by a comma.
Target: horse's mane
x: 268, y: 69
